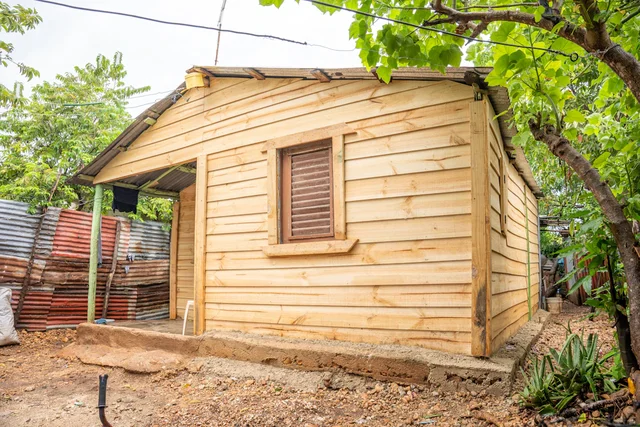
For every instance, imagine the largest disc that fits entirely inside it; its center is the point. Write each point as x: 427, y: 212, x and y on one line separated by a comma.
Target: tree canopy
x: 60, y: 128
x: 15, y: 19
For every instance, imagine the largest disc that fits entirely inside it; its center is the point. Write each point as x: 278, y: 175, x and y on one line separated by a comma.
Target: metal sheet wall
x: 56, y: 295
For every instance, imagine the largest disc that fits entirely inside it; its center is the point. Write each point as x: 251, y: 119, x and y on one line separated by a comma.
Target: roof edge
x: 498, y: 97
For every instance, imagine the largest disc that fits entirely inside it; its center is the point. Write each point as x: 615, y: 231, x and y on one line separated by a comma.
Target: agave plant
x: 562, y: 376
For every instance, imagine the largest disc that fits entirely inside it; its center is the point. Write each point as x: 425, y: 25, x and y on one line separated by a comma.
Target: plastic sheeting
x: 8, y: 334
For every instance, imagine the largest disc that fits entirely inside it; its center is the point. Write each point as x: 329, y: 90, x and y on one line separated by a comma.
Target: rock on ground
x: 38, y: 388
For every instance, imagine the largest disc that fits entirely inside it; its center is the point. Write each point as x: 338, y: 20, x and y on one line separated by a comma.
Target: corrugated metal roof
x: 498, y: 97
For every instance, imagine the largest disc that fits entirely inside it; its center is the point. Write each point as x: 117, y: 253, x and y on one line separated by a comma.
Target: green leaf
x: 556, y: 28
x: 601, y: 159
x: 574, y: 116
x: 276, y: 3
x: 503, y: 31
x: 358, y: 29
x: 630, y: 146
x: 384, y: 73
x: 372, y: 58
x: 562, y: 81
x: 538, y: 13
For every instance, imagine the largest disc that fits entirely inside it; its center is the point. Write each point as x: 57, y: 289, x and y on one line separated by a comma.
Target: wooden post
x: 199, y: 249
x: 112, y: 270
x: 480, y: 232
x: 173, y: 262
x: 93, y: 254
x: 526, y: 227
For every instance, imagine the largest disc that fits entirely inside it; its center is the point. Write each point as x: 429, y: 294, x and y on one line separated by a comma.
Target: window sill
x: 310, y: 248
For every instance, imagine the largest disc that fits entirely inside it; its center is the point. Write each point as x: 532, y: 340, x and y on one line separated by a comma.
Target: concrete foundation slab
x: 145, y: 350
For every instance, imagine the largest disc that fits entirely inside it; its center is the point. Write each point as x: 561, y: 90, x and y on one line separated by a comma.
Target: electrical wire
x: 141, y: 105
x: 201, y: 27
x: 574, y: 56
x: 180, y: 24
x: 146, y: 95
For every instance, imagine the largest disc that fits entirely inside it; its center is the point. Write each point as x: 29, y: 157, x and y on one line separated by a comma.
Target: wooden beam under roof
x: 201, y: 70
x: 149, y: 191
x: 320, y: 75
x: 254, y: 73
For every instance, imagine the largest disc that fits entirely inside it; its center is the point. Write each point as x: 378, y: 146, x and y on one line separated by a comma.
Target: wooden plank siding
x: 185, y: 249
x: 407, y: 199
x: 510, y: 289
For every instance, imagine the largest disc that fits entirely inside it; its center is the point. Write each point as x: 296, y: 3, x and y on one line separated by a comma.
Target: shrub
x: 561, y: 377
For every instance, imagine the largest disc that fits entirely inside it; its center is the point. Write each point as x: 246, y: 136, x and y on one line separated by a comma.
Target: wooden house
x: 325, y: 204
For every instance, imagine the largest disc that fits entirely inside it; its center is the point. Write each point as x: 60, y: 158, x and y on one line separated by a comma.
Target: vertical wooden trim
x: 273, y: 214
x: 481, y: 232
x: 504, y: 192
x: 526, y: 227
x: 173, y: 262
x: 339, y: 208
x: 93, y: 253
x: 540, y: 298
x: 284, y: 199
x: 199, y: 248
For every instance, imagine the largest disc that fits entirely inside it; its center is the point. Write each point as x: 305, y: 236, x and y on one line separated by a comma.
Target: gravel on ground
x: 38, y: 388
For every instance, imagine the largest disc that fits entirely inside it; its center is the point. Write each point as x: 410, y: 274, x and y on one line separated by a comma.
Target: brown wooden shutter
x: 307, y: 192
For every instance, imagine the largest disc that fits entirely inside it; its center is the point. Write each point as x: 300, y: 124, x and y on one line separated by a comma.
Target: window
x: 306, y: 194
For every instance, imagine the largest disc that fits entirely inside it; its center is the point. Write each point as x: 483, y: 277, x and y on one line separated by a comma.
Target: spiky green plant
x: 554, y: 382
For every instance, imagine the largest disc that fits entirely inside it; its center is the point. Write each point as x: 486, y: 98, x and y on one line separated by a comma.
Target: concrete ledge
x: 148, y: 351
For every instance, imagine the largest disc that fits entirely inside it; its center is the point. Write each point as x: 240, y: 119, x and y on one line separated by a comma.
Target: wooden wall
x: 185, y: 249
x: 510, y: 262
x: 408, y: 201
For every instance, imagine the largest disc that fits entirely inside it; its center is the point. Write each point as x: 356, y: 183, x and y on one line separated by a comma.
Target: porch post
x: 93, y: 254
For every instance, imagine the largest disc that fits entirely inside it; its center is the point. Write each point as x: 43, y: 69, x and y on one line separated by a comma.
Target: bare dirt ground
x: 37, y: 388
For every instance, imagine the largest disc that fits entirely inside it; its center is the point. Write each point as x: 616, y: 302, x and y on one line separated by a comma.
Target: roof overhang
x: 498, y: 96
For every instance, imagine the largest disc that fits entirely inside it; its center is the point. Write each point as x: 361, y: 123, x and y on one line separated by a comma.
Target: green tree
x: 15, y: 19
x: 61, y: 127
x: 573, y: 75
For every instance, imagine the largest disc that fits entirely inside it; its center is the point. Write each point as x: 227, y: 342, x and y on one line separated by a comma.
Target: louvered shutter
x: 307, y: 199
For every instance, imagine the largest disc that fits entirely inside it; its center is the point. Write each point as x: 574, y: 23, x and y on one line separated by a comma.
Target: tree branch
x: 595, y: 41
x: 612, y: 210
x: 569, y: 31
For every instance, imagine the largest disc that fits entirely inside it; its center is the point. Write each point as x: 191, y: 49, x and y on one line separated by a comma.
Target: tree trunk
x: 622, y: 325
x: 619, y: 224
x: 553, y: 286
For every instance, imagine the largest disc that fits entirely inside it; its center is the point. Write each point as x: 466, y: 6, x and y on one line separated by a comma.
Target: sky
x: 157, y: 55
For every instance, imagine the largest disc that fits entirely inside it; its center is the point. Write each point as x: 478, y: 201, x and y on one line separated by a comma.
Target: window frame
x: 338, y: 243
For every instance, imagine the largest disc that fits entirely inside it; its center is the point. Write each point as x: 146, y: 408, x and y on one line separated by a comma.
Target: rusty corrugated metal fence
x: 44, y: 259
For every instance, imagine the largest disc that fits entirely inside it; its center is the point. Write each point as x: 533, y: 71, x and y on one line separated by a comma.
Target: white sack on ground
x: 8, y: 334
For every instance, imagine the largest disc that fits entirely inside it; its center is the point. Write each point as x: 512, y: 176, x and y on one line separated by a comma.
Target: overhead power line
x: 573, y: 56
x: 200, y: 27
x: 180, y: 24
